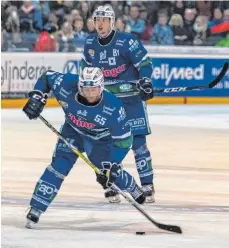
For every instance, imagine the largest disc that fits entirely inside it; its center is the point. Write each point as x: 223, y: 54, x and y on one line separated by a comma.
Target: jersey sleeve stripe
x: 83, y: 57
x: 122, y: 136
x: 137, y: 64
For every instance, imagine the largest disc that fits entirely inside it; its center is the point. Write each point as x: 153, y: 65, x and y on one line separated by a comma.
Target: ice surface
x: 190, y: 150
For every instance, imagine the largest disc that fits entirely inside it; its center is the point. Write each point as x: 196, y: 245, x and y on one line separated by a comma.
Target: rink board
x: 20, y: 72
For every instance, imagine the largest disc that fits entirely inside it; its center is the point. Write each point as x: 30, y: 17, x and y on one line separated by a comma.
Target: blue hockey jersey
x: 123, y: 61
x: 104, y: 121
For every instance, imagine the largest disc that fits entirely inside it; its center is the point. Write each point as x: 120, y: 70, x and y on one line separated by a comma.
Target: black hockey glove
x: 109, y: 175
x: 144, y: 85
x: 35, y: 104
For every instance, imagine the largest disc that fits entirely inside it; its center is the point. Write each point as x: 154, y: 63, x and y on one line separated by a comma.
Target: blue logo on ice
x: 71, y: 67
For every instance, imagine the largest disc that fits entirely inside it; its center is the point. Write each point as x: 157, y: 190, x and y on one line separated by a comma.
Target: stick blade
x: 171, y: 228
x: 220, y: 76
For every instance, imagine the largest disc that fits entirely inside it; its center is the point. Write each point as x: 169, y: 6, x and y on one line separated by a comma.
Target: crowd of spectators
x: 64, y: 25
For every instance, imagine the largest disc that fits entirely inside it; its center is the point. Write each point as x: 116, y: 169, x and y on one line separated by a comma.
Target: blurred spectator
x: 46, y: 42
x: 179, y: 8
x: 90, y: 26
x: 162, y: 33
x: 23, y: 21
x: 118, y: 7
x: 126, y: 13
x: 226, y: 15
x: 45, y: 10
x: 201, y: 33
x: 148, y: 27
x: 58, y: 8
x: 12, y: 23
x: 179, y: 32
x: 204, y: 8
x: 66, y: 41
x: 152, y: 11
x: 122, y: 26
x: 4, y: 40
x: 67, y: 6
x: 75, y: 14
x: 85, y: 12
x: 52, y: 23
x: 137, y: 25
x: 190, y: 4
x: 217, y: 18
x: 29, y: 16
x: 189, y: 20
x: 79, y: 34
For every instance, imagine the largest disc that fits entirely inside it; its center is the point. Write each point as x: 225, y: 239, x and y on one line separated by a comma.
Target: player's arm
x: 143, y: 63
x: 86, y: 58
x: 38, y: 96
x: 122, y: 142
x: 121, y: 135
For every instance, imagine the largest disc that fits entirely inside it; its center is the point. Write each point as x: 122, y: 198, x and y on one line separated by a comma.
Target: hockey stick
x: 170, y: 228
x: 201, y: 87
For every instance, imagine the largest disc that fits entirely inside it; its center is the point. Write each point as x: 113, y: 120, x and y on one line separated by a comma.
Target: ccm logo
x: 175, y: 89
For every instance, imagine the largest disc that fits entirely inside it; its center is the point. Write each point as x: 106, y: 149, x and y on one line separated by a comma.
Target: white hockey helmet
x: 91, y: 77
x: 105, y: 11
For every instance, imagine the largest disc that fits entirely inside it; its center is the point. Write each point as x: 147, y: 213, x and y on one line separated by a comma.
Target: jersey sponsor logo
x: 114, y: 71
x: 103, y: 62
x: 133, y: 45
x: 134, y: 123
x: 112, y: 61
x: 141, y: 164
x: 122, y: 114
x: 64, y: 93
x: 108, y: 110
x: 120, y: 42
x: 80, y: 123
x: 138, y: 53
x: 82, y: 112
x: 89, y: 41
x: 176, y: 73
x: 58, y: 81
x: 115, y: 52
x: 125, y: 87
x: 45, y: 190
x: 103, y: 55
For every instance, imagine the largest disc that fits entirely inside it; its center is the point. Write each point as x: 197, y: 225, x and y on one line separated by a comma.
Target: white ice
x: 84, y: 219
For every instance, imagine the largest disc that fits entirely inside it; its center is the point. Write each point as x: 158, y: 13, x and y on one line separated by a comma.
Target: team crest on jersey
x: 63, y: 104
x: 91, y: 52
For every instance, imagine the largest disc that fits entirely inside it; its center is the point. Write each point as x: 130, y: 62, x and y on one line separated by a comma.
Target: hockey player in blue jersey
x: 127, y: 70
x: 95, y: 123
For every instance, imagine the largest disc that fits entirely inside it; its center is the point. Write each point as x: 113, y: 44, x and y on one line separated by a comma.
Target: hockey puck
x: 140, y: 233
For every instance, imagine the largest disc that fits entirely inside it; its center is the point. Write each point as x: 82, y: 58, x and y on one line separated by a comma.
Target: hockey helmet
x: 105, y: 11
x: 91, y: 77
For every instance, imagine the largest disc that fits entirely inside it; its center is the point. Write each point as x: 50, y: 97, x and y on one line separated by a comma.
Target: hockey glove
x: 109, y: 175
x: 145, y: 87
x: 35, y: 104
